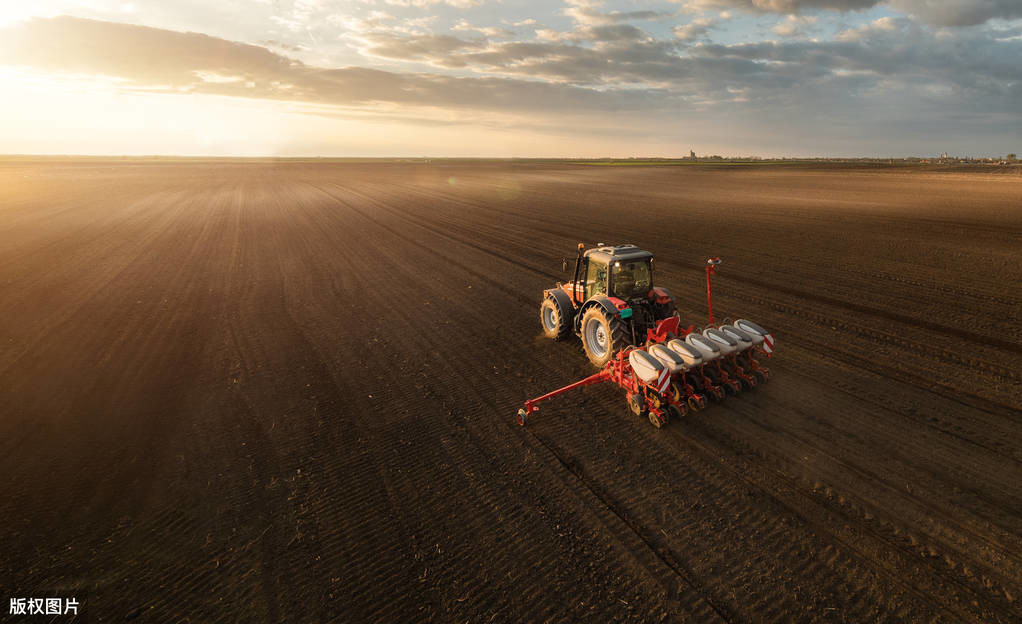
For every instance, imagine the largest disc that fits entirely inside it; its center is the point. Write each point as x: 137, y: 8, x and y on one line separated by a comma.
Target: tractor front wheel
x: 555, y: 319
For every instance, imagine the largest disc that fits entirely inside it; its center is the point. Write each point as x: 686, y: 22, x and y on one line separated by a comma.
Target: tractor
x: 610, y: 303
x: 631, y: 331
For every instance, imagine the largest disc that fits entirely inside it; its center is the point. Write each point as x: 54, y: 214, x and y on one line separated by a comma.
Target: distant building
x: 692, y: 154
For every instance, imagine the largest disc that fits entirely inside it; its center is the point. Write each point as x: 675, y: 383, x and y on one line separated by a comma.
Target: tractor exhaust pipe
x: 574, y: 280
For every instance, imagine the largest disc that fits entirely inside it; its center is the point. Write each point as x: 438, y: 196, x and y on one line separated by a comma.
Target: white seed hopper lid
x: 668, y: 358
x: 645, y: 365
x: 750, y: 327
x: 757, y: 339
x: 690, y: 354
x: 727, y: 344
x: 706, y: 347
x: 744, y: 339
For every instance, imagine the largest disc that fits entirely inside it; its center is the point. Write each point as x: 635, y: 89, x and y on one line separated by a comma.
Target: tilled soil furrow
x: 473, y: 395
x: 286, y: 392
x: 617, y: 512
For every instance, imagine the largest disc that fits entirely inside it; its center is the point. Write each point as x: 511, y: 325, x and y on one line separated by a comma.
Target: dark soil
x: 286, y: 392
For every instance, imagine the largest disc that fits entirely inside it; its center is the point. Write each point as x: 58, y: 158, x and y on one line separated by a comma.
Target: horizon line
x: 697, y: 158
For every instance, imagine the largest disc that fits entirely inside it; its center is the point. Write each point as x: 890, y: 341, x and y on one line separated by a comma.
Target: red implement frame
x: 711, y: 269
x: 618, y: 371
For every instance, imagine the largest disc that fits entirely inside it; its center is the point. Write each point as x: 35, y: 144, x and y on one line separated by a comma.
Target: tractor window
x: 596, y: 278
x: 631, y: 278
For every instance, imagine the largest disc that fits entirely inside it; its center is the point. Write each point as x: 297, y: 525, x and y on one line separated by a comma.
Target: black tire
x: 674, y: 392
x: 596, y: 323
x: 637, y: 405
x: 556, y: 321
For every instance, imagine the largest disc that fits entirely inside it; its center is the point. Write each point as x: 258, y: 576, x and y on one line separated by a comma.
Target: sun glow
x: 98, y: 115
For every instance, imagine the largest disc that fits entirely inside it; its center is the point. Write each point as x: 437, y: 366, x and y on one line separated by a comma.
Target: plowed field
x: 247, y: 392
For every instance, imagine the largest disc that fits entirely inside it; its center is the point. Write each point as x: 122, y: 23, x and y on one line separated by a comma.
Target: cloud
x: 865, y: 31
x: 795, y: 25
x: 595, y: 25
x: 968, y: 67
x: 146, y: 55
x: 147, y: 58
x: 783, y: 6
x: 459, y: 4
x: 936, y: 12
x: 693, y: 30
x: 856, y: 85
x: 270, y: 43
x: 416, y: 47
x: 587, y: 13
x: 598, y: 34
x: 960, y: 12
x: 487, y: 31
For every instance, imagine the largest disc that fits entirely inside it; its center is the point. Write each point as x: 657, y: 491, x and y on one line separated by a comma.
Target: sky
x: 511, y: 78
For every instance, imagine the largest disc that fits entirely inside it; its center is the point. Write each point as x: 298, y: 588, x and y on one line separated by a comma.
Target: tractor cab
x: 610, y: 302
x: 624, y: 272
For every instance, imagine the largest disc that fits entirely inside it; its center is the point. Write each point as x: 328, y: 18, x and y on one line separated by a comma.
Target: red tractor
x: 610, y: 303
x: 631, y: 330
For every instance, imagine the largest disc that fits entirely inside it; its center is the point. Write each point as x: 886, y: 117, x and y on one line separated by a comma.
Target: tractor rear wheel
x: 603, y: 335
x: 555, y: 319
